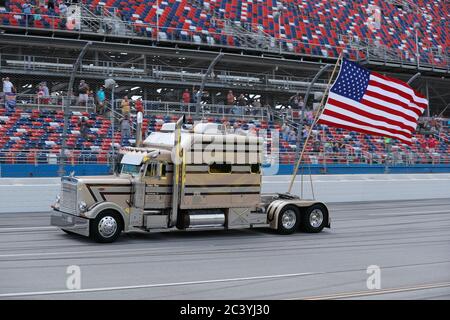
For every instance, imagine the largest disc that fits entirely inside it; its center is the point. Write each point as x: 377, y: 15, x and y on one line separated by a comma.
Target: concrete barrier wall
x: 37, y: 194
x: 51, y: 170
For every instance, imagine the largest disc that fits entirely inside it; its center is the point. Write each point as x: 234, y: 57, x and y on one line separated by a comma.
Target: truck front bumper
x: 70, y: 222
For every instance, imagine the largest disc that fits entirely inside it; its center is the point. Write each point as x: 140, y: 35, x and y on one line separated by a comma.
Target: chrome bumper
x: 70, y: 222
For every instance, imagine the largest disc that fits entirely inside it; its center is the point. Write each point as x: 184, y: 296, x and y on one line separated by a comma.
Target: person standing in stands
x: 27, y: 10
x: 125, y: 127
x: 45, y: 92
x: 125, y: 106
x: 9, y: 93
x: 186, y: 98
x: 83, y: 90
x: 84, y: 128
x: 139, y: 106
x: 230, y: 98
x: 100, y: 97
x: 62, y: 9
x: 8, y: 87
x: 51, y: 5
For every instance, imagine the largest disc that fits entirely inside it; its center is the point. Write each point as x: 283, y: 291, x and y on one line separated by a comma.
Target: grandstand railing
x: 206, y: 110
x: 56, y: 102
x: 33, y: 101
x: 142, y: 71
x: 74, y: 156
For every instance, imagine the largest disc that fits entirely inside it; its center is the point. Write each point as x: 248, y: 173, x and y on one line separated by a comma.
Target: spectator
x: 292, y: 138
x: 125, y: 106
x: 51, y: 5
x: 336, y: 147
x: 125, y: 127
x: 139, y: 105
x: 294, y: 101
x: 62, y: 9
x: 241, y: 100
x: 387, y: 144
x: 100, y: 95
x: 8, y: 87
x: 84, y: 128
x: 230, y: 98
x: 301, y: 102
x: 83, y: 91
x: 43, y: 93
x: 238, y: 129
x: 9, y: 93
x: 285, y: 130
x: 316, y: 146
x: 27, y: 10
x: 328, y: 147
x: 37, y: 14
x: 256, y: 106
x: 40, y: 94
x: 431, y: 143
x: 186, y: 96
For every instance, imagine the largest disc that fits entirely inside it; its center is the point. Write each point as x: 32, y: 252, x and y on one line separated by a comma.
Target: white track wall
x: 37, y: 194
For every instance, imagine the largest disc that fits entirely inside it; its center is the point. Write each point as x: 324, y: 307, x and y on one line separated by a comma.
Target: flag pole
x: 319, y: 113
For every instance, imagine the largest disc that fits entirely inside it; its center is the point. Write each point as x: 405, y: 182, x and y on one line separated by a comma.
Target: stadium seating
x: 34, y: 136
x: 311, y: 27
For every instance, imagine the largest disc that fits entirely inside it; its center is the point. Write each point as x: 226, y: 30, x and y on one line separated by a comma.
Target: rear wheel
x: 106, y: 227
x: 288, y: 220
x: 314, y: 218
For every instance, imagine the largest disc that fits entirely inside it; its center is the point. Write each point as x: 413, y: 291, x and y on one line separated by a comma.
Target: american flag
x: 365, y: 101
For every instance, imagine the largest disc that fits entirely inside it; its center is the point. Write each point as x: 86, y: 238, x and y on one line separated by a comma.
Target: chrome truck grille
x: 69, y: 197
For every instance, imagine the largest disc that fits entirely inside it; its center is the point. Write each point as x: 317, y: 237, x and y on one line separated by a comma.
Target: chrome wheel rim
x: 316, y: 218
x: 288, y: 219
x: 107, y: 226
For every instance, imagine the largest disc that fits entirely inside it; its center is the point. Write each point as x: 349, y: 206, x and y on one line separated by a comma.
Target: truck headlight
x: 82, y: 206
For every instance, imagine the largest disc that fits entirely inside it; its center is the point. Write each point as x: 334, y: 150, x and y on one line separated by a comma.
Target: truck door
x: 158, y: 186
x: 138, y: 202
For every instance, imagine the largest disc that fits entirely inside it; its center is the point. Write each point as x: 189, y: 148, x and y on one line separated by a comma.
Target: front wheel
x: 106, y: 227
x: 288, y: 220
x: 315, y: 218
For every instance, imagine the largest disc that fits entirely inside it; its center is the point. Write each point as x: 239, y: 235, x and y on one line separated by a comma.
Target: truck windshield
x: 130, y: 169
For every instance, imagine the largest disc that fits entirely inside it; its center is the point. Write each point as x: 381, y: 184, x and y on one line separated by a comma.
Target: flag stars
x: 352, y: 81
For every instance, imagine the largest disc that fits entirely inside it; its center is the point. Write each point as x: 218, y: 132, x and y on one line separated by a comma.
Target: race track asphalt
x: 408, y: 240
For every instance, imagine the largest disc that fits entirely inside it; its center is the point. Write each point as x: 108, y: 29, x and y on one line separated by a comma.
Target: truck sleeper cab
x: 183, y: 179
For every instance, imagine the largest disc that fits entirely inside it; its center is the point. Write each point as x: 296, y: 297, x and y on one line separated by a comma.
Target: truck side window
x: 152, y: 170
x: 255, y: 168
x: 220, y: 168
x: 163, y: 170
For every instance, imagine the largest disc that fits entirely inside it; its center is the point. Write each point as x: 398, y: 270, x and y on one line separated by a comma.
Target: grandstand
x: 34, y: 136
x: 272, y: 49
x: 314, y: 28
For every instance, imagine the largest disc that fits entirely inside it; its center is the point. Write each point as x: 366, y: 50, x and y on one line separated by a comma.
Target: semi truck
x: 183, y: 178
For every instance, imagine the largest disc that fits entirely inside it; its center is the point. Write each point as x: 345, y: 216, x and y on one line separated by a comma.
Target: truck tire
x: 106, y: 227
x: 314, y: 218
x: 288, y: 220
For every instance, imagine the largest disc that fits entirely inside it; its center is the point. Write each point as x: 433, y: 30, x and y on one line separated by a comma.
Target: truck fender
x: 94, y: 210
x: 275, y: 207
